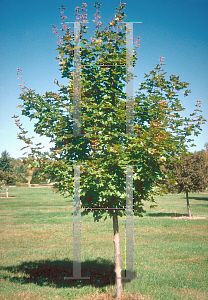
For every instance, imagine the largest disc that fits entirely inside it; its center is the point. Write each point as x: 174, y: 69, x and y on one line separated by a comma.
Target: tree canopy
x: 104, y: 148
x: 190, y: 173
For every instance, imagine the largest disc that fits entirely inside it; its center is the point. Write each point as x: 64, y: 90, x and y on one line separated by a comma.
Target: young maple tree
x: 104, y: 148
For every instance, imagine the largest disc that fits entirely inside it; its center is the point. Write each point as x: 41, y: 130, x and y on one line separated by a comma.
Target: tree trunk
x: 187, y: 199
x: 117, y: 256
x: 7, y: 190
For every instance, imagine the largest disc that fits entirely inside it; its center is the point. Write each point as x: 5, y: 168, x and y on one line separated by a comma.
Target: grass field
x: 37, y: 250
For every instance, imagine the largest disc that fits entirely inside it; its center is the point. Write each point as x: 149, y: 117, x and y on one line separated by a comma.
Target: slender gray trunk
x: 117, y: 256
x: 187, y: 200
x: 7, y: 190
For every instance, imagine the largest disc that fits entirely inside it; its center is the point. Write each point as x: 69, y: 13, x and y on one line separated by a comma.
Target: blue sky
x: 175, y: 29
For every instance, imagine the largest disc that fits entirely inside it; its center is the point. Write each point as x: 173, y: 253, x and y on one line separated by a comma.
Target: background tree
x: 206, y: 146
x: 36, y: 175
x: 190, y: 175
x: 6, y: 162
x: 104, y: 148
x: 25, y: 172
x: 21, y: 170
x: 38, y: 179
x: 6, y: 170
x: 204, y: 153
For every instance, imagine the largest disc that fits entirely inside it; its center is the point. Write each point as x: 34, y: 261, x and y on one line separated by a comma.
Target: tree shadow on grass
x: 52, y: 273
x: 199, y: 198
x: 161, y: 214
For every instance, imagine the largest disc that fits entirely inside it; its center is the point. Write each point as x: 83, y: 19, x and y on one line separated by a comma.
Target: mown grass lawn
x: 37, y: 249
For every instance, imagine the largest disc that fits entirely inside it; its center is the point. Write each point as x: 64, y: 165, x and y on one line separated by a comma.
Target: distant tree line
x: 188, y: 173
x: 17, y: 171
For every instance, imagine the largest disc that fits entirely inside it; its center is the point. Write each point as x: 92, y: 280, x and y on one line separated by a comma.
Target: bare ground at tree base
x: 111, y: 295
